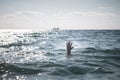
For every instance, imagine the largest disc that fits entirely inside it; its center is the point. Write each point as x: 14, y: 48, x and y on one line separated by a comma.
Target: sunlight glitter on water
x: 43, y: 54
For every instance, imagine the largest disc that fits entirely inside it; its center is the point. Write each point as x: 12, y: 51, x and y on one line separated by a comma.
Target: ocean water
x: 41, y: 55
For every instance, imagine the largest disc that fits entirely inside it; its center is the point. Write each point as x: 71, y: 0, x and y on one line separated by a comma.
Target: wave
x: 51, y: 69
x: 101, y: 70
x: 114, y: 63
x: 15, y: 69
x: 41, y: 34
x: 78, y: 70
x: 15, y: 44
x: 27, y: 68
x: 71, y: 70
x: 94, y: 50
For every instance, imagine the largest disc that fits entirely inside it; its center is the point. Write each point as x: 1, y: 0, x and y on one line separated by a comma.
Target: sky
x: 65, y: 14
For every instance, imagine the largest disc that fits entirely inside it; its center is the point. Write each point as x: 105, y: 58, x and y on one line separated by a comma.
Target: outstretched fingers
x: 71, y: 43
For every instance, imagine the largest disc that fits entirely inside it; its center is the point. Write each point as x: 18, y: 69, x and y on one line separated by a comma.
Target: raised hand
x: 69, y: 48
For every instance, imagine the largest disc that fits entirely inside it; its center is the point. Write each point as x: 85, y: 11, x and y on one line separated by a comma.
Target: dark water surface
x: 41, y: 55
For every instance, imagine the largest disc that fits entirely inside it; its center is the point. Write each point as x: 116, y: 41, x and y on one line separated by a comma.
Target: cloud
x: 93, y: 14
x: 26, y: 19
x: 30, y: 13
x: 105, y: 7
x: 100, y: 14
x: 42, y: 20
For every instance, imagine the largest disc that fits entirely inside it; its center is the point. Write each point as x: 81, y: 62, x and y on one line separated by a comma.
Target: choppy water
x: 41, y: 55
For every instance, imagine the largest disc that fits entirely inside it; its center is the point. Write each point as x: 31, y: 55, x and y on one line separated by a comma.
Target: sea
x: 41, y: 55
